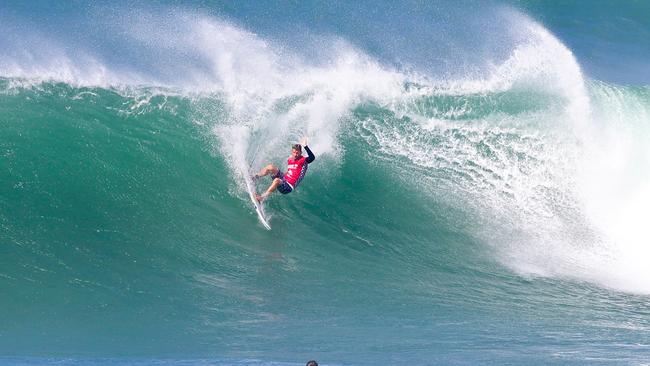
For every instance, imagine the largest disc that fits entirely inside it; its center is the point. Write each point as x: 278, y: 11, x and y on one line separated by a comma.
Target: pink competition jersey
x: 295, y: 170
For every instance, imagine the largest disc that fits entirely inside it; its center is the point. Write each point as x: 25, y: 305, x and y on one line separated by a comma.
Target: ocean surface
x: 480, y: 194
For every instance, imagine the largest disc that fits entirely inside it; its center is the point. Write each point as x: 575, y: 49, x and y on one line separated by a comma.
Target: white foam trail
x: 280, y: 97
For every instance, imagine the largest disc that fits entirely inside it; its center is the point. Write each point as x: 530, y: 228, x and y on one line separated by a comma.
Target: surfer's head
x: 312, y: 363
x: 296, y: 151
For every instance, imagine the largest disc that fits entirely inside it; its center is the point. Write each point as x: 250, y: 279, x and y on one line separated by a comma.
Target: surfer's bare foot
x: 262, y: 197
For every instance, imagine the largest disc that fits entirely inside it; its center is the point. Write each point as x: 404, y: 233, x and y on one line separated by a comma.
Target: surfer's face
x: 295, y: 153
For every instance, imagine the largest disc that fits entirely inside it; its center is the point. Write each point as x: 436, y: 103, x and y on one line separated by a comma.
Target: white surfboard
x: 259, y: 207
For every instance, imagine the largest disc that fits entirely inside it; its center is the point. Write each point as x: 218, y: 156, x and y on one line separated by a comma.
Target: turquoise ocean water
x: 480, y: 194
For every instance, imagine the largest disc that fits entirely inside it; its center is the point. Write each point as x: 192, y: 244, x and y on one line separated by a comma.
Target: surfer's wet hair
x: 297, y: 147
x: 312, y: 363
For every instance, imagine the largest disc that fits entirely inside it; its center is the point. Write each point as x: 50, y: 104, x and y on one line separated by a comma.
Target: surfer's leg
x: 269, y: 169
x: 276, y: 182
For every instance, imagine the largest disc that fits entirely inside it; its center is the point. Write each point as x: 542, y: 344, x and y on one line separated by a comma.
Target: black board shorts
x: 283, y: 187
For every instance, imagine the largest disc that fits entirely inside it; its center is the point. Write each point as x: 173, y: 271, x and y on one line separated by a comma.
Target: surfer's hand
x: 303, y: 141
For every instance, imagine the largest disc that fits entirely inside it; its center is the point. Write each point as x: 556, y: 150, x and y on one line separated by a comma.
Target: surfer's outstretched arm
x: 310, y: 155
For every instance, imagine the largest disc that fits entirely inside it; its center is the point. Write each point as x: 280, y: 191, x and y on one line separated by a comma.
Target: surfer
x: 296, y: 170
